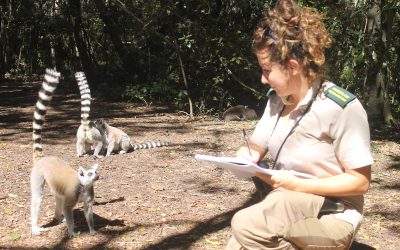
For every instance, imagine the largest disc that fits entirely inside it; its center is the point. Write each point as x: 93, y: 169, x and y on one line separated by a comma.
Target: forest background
x: 195, y: 56
x: 149, y: 65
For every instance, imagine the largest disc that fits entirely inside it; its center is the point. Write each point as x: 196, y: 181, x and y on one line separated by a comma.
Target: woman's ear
x: 295, y: 67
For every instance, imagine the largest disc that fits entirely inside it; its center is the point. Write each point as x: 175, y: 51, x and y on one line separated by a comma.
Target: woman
x: 311, y: 126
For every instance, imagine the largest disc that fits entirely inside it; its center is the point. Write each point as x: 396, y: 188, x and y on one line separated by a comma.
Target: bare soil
x: 158, y: 198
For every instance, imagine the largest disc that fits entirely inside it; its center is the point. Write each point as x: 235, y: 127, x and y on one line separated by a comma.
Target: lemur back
x: 239, y: 113
x: 119, y: 141
x: 67, y: 185
x: 88, y: 137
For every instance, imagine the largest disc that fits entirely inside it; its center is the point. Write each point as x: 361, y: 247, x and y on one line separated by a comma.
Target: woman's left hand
x: 282, y: 178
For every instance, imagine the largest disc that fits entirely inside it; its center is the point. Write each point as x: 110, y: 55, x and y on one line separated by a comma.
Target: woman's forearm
x: 352, y: 182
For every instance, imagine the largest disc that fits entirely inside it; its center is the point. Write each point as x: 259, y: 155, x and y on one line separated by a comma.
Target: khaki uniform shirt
x: 328, y: 139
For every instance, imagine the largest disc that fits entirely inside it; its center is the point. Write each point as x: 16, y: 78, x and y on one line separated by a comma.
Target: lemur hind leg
x: 98, y: 148
x: 88, y: 211
x: 69, y: 218
x: 125, y: 144
x: 110, y: 147
x: 58, y: 215
x: 37, y: 185
x: 80, y: 148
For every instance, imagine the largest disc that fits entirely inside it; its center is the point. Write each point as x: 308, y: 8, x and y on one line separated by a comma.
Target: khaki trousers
x: 288, y: 220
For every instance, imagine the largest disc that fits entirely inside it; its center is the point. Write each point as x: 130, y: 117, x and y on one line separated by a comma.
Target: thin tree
x: 378, y: 30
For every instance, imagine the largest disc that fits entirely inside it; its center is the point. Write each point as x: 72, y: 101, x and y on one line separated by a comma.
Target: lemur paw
x: 60, y: 218
x: 38, y: 230
x: 73, y: 234
x: 93, y: 232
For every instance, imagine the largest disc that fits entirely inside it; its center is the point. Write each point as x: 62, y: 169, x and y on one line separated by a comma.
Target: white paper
x: 243, y: 168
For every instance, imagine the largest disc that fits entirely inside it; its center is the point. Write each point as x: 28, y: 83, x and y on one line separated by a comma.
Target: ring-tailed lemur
x: 119, y: 141
x: 67, y: 185
x: 88, y: 136
x: 239, y: 113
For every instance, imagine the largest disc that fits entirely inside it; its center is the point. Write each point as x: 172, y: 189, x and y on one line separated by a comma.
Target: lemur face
x: 88, y: 176
x: 100, y: 124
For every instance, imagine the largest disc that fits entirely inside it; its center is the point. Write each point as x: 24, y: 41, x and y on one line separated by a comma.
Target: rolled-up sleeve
x: 351, y: 137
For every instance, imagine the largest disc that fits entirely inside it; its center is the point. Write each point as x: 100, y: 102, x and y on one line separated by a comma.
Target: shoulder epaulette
x: 339, y: 95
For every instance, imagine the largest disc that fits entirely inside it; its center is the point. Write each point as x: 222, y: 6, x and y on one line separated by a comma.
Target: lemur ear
x: 81, y: 171
x: 95, y: 166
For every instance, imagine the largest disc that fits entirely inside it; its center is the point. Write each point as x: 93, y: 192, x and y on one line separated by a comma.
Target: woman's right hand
x: 249, y: 154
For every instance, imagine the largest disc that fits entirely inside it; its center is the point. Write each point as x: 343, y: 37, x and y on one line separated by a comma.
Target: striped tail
x: 49, y: 85
x: 85, y: 96
x: 150, y: 144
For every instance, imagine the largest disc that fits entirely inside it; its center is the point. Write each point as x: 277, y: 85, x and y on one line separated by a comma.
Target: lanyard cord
x: 294, y: 126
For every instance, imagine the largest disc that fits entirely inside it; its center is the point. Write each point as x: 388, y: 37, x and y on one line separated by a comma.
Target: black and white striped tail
x: 150, y: 144
x: 85, y: 96
x: 49, y: 85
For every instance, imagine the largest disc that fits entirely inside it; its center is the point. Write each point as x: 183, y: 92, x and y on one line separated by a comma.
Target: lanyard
x: 293, y: 127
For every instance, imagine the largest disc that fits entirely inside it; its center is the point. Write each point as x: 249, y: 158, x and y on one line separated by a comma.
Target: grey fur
x: 119, y: 141
x: 67, y: 185
x: 88, y: 136
x: 239, y: 113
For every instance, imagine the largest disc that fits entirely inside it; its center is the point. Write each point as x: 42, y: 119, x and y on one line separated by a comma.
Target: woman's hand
x: 283, y: 178
x: 252, y: 153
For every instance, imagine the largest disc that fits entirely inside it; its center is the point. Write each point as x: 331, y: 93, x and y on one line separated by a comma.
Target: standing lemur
x: 67, y: 185
x: 88, y: 136
x: 119, y: 141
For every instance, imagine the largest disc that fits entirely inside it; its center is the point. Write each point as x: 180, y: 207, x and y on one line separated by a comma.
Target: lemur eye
x: 82, y: 174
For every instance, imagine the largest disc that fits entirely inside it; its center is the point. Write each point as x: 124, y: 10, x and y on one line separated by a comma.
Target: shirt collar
x: 309, y: 96
x: 306, y: 100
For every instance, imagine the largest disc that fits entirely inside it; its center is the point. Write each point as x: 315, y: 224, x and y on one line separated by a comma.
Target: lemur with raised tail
x: 119, y: 141
x: 67, y: 185
x: 88, y: 136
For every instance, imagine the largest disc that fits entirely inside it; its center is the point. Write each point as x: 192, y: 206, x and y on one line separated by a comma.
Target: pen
x: 247, y: 141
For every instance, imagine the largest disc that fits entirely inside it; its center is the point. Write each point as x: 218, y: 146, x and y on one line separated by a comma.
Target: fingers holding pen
x: 248, y: 154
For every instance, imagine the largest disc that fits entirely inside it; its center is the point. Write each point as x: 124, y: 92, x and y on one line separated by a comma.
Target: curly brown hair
x: 289, y: 32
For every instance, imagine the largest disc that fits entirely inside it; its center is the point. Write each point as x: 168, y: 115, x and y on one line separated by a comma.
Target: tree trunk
x: 111, y: 29
x: 76, y: 18
x: 4, y: 38
x: 2, y: 47
x: 387, y: 28
x: 378, y: 34
x: 178, y: 54
x: 53, y: 40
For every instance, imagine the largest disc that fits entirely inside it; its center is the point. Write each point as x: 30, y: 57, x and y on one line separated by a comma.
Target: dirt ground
x: 158, y: 198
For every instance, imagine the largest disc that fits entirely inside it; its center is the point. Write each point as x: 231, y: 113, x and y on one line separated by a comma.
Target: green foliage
x: 346, y: 59
x: 15, y: 236
x: 132, y: 48
x: 156, y: 91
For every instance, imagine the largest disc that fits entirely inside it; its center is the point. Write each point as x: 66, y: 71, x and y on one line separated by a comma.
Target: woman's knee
x: 327, y: 232
x: 238, y: 224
